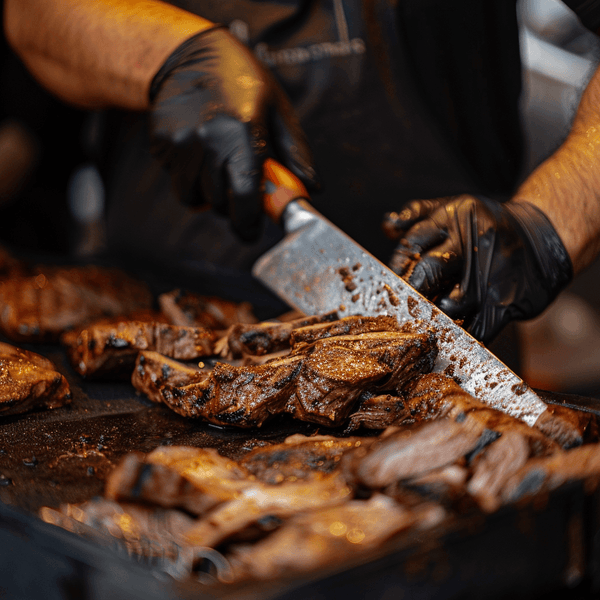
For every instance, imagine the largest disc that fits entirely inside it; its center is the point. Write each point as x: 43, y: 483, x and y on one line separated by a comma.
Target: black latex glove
x: 216, y: 114
x: 480, y: 261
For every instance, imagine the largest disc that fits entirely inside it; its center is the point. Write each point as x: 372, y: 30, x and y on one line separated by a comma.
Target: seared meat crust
x: 28, y: 380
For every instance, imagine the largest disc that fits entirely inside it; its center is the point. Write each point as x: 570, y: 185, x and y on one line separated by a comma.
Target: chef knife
x: 317, y: 268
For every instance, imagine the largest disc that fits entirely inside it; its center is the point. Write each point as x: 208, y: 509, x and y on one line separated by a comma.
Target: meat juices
x: 28, y: 380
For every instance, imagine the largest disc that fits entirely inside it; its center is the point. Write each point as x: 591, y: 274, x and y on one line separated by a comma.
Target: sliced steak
x: 40, y: 306
x: 299, y: 457
x: 109, y: 347
x: 377, y: 412
x: 267, y: 337
x: 28, y: 380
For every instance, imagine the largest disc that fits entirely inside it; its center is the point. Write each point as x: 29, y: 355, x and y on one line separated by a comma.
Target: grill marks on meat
x: 187, y: 309
x: 28, y: 380
x: 40, y: 306
x: 299, y: 457
x: 268, y: 337
x: 319, y: 384
x: 110, y: 347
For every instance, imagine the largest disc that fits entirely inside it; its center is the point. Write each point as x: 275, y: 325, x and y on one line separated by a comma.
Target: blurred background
x: 560, y: 350
x: 51, y: 195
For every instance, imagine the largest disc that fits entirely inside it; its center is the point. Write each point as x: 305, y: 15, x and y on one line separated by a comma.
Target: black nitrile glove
x: 480, y: 261
x: 216, y: 114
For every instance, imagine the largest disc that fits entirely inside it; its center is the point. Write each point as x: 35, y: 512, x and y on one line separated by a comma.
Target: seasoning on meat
x: 28, y: 380
x: 110, y: 346
x: 41, y: 305
x: 320, y: 384
x: 268, y: 336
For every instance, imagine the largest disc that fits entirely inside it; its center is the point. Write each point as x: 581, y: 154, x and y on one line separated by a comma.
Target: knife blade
x: 318, y: 268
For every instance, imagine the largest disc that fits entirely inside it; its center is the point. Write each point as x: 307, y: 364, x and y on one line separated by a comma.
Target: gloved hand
x: 480, y: 261
x: 216, y: 114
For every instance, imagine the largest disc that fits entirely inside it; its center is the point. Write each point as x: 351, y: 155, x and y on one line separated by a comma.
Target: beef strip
x: 193, y: 479
x: 495, y: 466
x: 153, y: 370
x: 267, y: 337
x: 410, y: 452
x: 435, y: 395
x: 188, y: 309
x: 298, y: 457
x: 262, y: 503
x: 40, y: 306
x: 320, y: 538
x: 377, y: 412
x: 320, y: 385
x: 544, y: 474
x: 28, y: 380
x: 109, y: 347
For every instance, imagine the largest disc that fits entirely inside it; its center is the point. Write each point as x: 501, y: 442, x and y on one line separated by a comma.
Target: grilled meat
x: 28, y: 380
x: 187, y: 309
x: 267, y: 337
x: 411, y: 452
x: 435, y: 395
x: 299, y: 457
x: 109, y: 347
x: 40, y: 306
x: 319, y: 385
x: 194, y: 479
x: 313, y: 540
x: 377, y: 412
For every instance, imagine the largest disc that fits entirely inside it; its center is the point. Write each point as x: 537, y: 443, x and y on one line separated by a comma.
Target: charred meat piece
x: 153, y: 370
x: 260, y: 504
x: 435, y: 395
x: 28, y: 380
x: 268, y: 337
x: 411, y: 452
x: 40, y: 306
x: 544, y: 474
x: 495, y: 466
x: 299, y: 457
x: 319, y: 538
x: 193, y: 479
x: 187, y: 309
x: 110, y: 347
x: 567, y: 427
x: 377, y: 412
x: 319, y: 386
x: 353, y: 325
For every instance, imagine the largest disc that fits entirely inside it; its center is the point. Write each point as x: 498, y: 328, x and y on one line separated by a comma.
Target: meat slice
x: 260, y: 502
x: 330, y: 535
x: 267, y: 337
x: 319, y: 385
x: 411, y: 452
x: 544, y: 474
x: 188, y: 309
x: 154, y: 370
x: 40, y: 306
x: 195, y: 479
x: 377, y: 412
x: 435, y: 395
x: 28, y: 380
x: 298, y: 457
x: 353, y: 325
x: 109, y: 347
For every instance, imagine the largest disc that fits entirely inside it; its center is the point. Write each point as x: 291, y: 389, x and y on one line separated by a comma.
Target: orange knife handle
x: 281, y: 187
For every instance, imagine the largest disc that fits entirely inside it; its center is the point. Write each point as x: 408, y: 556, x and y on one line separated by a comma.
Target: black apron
x: 399, y: 100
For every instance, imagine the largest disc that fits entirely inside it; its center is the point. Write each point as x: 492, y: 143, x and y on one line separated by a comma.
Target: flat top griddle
x: 63, y: 456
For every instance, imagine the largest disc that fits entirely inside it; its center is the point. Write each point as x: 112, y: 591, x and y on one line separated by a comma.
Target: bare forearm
x: 566, y: 187
x: 97, y: 53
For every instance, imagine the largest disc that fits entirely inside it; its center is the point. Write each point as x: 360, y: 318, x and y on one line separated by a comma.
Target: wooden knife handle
x: 281, y: 188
